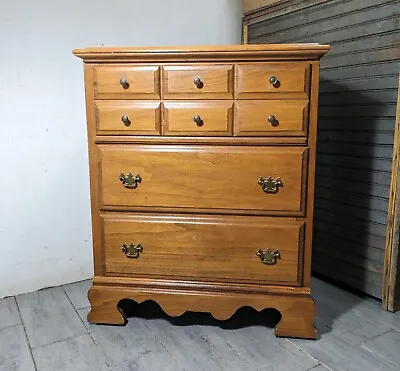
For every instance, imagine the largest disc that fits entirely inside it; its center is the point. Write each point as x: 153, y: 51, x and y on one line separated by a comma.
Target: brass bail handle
x: 131, y: 250
x: 129, y: 180
x: 270, y: 185
x: 268, y: 256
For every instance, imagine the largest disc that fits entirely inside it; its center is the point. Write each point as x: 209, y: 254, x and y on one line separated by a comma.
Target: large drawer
x: 219, y: 248
x: 203, y: 177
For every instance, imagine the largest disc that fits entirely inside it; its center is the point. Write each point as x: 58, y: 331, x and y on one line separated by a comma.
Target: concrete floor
x: 47, y: 330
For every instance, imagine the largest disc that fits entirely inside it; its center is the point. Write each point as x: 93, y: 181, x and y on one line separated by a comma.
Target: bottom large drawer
x: 206, y: 248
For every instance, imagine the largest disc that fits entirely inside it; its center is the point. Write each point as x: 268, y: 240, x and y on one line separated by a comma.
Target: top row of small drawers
x: 199, y: 81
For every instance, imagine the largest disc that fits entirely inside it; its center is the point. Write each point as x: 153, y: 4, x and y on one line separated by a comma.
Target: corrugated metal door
x: 357, y: 109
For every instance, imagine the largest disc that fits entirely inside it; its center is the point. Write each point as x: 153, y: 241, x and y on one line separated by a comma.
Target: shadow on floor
x: 244, y: 317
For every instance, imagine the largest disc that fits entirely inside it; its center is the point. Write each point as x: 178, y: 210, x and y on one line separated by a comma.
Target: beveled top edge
x: 214, y: 52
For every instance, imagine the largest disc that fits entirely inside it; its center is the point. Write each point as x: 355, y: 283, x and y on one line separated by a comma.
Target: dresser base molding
x: 298, y: 311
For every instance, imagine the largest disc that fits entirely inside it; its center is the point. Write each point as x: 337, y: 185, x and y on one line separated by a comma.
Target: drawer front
x: 198, y: 82
x: 128, y: 117
x: 211, y: 118
x: 264, y: 80
x: 271, y: 118
x: 204, y: 177
x: 204, y: 247
x: 127, y: 82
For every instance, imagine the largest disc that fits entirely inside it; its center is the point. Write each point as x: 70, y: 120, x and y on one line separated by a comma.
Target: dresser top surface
x: 205, y: 53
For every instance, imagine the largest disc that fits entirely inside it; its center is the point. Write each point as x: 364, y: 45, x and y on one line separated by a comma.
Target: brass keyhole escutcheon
x: 268, y: 256
x: 131, y: 250
x: 129, y: 180
x: 270, y: 185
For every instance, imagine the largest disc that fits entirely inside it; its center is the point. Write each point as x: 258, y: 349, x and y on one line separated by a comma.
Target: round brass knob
x: 124, y: 83
x: 274, y: 81
x: 197, y: 119
x: 272, y: 120
x: 197, y: 81
x: 125, y: 120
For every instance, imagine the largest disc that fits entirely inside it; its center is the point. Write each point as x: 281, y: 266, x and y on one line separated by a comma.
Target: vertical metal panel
x: 358, y: 97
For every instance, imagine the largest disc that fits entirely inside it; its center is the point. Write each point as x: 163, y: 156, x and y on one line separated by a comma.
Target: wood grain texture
x: 298, y: 312
x: 252, y: 80
x: 144, y: 117
x: 213, y: 140
x: 391, y: 273
x: 312, y: 139
x: 145, y: 351
x: 143, y: 82
x: 93, y: 167
x: 9, y: 314
x: 192, y: 242
x: 228, y: 53
x: 214, y: 177
x: 200, y: 211
x: 15, y: 353
x: 216, y: 118
x: 252, y: 118
x: 385, y: 345
x: 48, y: 317
x: 216, y: 82
x: 67, y: 355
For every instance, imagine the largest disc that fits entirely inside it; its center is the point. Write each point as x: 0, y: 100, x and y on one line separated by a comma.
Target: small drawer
x: 128, y: 117
x: 241, y: 179
x: 264, y: 80
x: 204, y: 248
x: 271, y: 118
x: 198, y: 82
x: 127, y: 82
x: 211, y: 118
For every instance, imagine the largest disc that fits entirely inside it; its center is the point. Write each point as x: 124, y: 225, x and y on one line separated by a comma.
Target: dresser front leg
x: 104, y: 307
x: 298, y: 317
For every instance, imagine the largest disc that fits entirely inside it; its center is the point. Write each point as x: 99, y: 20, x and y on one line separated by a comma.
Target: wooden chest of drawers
x: 202, y: 179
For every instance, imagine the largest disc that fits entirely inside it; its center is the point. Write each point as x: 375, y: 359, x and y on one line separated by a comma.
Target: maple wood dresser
x: 202, y: 179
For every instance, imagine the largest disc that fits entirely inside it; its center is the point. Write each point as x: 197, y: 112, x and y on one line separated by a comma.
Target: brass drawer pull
x: 268, y: 256
x: 131, y: 250
x: 197, y: 119
x: 130, y: 181
x: 125, y: 120
x: 273, y: 121
x: 197, y: 81
x: 274, y: 82
x: 270, y: 185
x: 124, y: 83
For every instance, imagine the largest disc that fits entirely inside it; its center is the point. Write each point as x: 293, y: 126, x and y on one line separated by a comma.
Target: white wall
x: 45, y: 236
